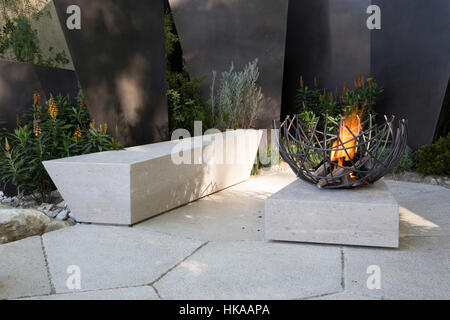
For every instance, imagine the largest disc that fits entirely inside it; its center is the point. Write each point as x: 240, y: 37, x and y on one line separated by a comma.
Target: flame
x: 349, y: 128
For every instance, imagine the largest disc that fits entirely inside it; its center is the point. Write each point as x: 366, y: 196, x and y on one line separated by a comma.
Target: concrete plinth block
x: 128, y: 186
x: 301, y: 212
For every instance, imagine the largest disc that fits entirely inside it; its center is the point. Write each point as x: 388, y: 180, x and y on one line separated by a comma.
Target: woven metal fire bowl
x: 331, y: 159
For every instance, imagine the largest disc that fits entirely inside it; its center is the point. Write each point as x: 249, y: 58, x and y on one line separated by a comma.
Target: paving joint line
x: 47, y: 267
x: 84, y: 291
x: 321, y: 295
x: 157, y: 293
x: 177, y: 264
x: 342, y: 269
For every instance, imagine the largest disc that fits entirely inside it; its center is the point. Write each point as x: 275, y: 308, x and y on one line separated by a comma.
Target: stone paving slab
x: 112, y: 257
x: 424, y: 209
x: 407, y: 189
x: 232, y: 214
x: 254, y: 270
x: 134, y: 293
x: 208, y: 219
x: 129, y: 258
x: 345, y: 296
x: 419, y: 269
x: 426, y: 214
x: 23, y: 271
x: 261, y: 187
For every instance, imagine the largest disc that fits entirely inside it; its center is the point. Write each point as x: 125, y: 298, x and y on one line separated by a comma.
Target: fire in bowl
x: 347, y: 154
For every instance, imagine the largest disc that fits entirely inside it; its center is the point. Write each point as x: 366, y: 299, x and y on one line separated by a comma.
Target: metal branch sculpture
x: 332, y: 159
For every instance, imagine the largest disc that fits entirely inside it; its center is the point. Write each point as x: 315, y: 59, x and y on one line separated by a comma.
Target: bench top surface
x: 150, y: 151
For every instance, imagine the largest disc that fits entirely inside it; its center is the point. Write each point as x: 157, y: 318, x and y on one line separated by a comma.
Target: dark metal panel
x: 57, y: 81
x: 214, y: 33
x: 409, y: 56
x: 18, y: 82
x: 327, y: 39
x: 411, y: 59
x: 119, y: 57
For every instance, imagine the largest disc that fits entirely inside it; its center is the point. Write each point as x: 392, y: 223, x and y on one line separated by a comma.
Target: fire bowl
x: 335, y: 155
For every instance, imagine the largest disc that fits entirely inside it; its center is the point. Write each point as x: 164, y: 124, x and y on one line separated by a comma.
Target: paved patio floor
x: 214, y: 249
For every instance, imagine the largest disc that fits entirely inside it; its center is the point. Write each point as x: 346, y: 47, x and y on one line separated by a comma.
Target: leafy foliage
x: 237, y: 102
x: 435, y: 158
x: 320, y: 101
x: 184, y: 98
x: 18, y: 40
x: 56, y: 129
x: 184, y: 93
x: 406, y: 162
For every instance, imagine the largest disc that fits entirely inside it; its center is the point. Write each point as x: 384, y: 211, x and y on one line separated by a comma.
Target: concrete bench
x: 127, y: 186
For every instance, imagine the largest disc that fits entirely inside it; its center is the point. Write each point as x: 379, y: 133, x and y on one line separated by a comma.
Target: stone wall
x: 49, y: 30
x: 50, y: 33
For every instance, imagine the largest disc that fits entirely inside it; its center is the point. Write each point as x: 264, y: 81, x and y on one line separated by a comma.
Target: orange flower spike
x: 302, y: 85
x: 77, y: 134
x: 36, y: 98
x: 92, y: 124
x: 52, y: 108
x: 105, y: 128
x: 369, y: 80
x: 36, y: 129
x: 345, y: 89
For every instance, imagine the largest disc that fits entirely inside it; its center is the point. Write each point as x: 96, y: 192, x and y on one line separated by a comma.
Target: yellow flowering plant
x: 55, y: 129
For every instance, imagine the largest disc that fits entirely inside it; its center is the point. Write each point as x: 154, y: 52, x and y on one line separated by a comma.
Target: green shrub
x: 320, y: 101
x: 237, y: 101
x: 235, y: 104
x: 406, y: 163
x: 184, y: 99
x: 184, y: 93
x: 435, y: 158
x: 365, y: 93
x: 54, y: 130
x: 18, y: 40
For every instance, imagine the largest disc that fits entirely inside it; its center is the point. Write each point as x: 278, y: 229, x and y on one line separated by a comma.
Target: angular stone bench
x: 128, y: 186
